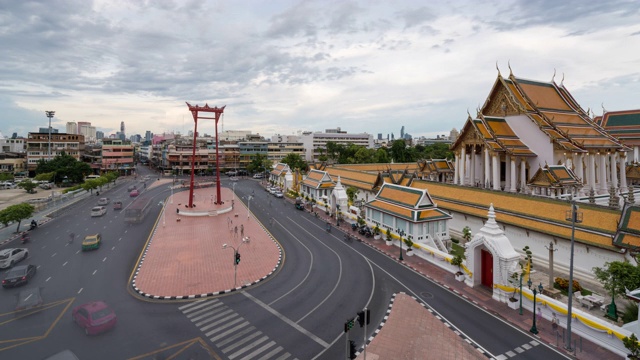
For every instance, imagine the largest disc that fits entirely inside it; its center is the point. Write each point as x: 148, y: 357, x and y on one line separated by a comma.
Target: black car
x: 366, y: 231
x: 19, y: 275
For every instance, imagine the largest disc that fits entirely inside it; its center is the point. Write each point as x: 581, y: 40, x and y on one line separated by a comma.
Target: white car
x: 98, y: 211
x: 233, y: 178
x: 9, y: 257
x: 278, y: 194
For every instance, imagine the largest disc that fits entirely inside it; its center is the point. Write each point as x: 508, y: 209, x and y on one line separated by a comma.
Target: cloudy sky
x: 287, y: 66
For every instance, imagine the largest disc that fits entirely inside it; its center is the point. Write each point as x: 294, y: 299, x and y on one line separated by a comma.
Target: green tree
x: 90, y: 184
x: 64, y: 165
x: 295, y: 161
x: 256, y: 165
x: 6, y: 176
x: 399, y: 152
x: 631, y: 343
x: 615, y: 276
x: 17, y: 213
x: 45, y: 176
x: 352, y: 193
x: 382, y: 156
x: 28, y: 185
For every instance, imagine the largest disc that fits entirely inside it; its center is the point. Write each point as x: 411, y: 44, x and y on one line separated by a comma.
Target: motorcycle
x: 328, y: 227
x: 33, y: 225
x: 25, y: 238
x: 354, y: 226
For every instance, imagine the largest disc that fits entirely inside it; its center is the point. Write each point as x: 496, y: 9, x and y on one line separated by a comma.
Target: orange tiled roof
x: 476, y: 201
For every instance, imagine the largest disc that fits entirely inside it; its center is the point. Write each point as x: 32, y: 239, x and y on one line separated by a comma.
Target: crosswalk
x: 231, y: 333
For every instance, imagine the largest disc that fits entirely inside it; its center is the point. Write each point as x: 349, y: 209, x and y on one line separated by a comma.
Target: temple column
x: 463, y: 160
x: 512, y: 167
x: 496, y: 172
x: 623, y: 173
x: 580, y: 171
x: 603, y: 174
x: 455, y: 170
x: 592, y: 171
x: 523, y: 175
x: 636, y: 150
x: 472, y: 165
x: 507, y: 172
x: 614, y: 169
x: 487, y: 169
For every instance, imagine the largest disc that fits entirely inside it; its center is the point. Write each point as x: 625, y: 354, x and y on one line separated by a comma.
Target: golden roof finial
x: 603, y: 109
x: 554, y: 74
x: 562, y: 81
x: 509, y: 64
x: 498, y: 68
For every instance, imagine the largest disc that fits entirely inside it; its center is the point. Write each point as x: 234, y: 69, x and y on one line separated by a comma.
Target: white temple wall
x: 535, y: 139
x: 585, y: 257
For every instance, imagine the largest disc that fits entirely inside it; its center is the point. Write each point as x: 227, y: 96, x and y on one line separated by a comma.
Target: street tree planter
x: 459, y: 276
x: 389, y: 242
x: 409, y: 252
x: 514, y: 303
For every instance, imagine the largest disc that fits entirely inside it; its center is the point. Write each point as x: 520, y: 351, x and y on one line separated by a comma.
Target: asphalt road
x: 301, y: 310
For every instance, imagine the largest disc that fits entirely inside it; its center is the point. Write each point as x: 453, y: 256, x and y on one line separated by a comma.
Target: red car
x: 134, y: 193
x: 94, y: 317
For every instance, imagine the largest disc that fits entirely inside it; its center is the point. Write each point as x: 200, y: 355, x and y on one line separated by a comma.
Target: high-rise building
x: 402, y: 132
x: 72, y: 127
x: 148, y: 135
x: 99, y: 135
x: 46, y: 130
x: 122, y: 127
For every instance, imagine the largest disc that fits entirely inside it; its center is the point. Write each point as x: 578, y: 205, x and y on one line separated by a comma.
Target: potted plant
x: 514, y: 302
x: 409, y: 243
x: 466, y: 234
x: 457, y: 261
x: 389, y: 238
x: 376, y: 232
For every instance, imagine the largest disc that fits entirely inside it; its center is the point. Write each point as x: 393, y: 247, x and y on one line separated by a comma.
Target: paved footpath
x: 185, y: 259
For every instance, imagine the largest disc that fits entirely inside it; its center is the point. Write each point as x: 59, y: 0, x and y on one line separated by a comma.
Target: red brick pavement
x: 186, y: 258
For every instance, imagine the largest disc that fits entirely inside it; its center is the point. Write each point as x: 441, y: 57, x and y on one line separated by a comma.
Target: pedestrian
x: 235, y: 230
x: 539, y: 315
x: 241, y: 230
x: 554, y: 322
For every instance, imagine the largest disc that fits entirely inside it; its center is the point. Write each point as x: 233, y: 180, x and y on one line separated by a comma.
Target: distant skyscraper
x: 72, y: 127
x: 379, y: 136
x: 402, y: 132
x: 99, y: 135
x: 122, y: 127
x: 148, y: 135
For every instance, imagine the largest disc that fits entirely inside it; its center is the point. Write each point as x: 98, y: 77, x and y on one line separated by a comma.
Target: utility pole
x: 50, y: 114
x: 551, y: 251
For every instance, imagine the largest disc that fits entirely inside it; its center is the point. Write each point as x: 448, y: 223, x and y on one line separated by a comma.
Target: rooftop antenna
x: 554, y: 74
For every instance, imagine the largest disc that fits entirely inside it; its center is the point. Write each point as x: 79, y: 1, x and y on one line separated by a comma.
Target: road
x: 299, y: 312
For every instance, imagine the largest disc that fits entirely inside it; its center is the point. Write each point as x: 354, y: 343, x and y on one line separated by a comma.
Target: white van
x: 98, y: 211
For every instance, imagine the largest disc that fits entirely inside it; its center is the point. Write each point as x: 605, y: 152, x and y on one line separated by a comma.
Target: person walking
x: 241, y: 230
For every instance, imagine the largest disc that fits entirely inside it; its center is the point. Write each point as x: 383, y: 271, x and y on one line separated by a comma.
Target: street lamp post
x: 249, y: 205
x: 50, y: 114
x: 401, y: 233
x: 234, y: 190
x: 534, y: 329
x: 575, y: 217
x: 236, y: 258
x: 521, y: 275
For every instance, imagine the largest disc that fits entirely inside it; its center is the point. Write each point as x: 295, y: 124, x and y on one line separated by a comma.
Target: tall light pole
x: 249, y: 205
x: 50, y: 114
x: 575, y: 217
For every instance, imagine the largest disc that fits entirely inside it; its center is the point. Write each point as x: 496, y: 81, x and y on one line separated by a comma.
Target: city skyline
x: 280, y: 68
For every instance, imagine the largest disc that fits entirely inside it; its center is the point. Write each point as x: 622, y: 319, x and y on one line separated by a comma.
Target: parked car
x: 19, y: 275
x: 278, y: 194
x: 7, y: 185
x: 29, y: 299
x: 131, y: 188
x: 95, y: 317
x: 103, y: 201
x: 299, y: 204
x: 117, y: 205
x: 9, y: 257
x: 134, y: 193
x: 91, y: 242
x: 98, y: 211
x: 258, y: 176
x: 233, y: 178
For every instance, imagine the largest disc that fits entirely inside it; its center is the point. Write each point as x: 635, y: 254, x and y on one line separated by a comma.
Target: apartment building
x: 38, y: 147
x: 117, y: 155
x: 316, y: 143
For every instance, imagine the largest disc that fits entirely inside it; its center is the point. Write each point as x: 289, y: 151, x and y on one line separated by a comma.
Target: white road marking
x: 49, y: 278
x: 54, y: 254
x: 79, y: 291
x: 105, y: 259
x: 113, y: 248
x: 94, y: 272
x: 65, y: 263
x: 77, y: 251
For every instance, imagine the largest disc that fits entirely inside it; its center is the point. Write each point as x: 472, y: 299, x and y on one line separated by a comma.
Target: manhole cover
x: 426, y: 295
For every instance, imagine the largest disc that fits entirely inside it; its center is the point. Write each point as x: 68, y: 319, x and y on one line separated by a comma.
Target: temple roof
x: 317, y: 179
x: 624, y: 125
x: 555, y: 176
x: 628, y: 235
x: 409, y: 203
x: 280, y: 169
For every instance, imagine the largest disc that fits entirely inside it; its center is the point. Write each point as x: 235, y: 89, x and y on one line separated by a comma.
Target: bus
x: 135, y: 213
